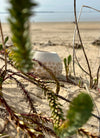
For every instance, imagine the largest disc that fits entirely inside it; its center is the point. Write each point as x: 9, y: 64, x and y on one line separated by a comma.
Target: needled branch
x: 45, y: 88
x: 19, y: 23
x: 28, y: 98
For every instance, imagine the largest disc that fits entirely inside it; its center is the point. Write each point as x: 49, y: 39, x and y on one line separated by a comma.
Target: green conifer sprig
x: 57, y: 113
x: 20, y: 12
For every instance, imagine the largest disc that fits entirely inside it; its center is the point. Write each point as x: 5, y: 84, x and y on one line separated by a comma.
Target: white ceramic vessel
x: 51, y: 60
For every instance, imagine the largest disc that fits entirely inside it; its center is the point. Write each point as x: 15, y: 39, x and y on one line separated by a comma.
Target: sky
x: 58, y: 5
x: 62, y: 5
x: 65, y: 4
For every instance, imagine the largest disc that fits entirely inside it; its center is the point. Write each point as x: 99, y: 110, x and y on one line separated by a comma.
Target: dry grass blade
x: 90, y: 73
x: 74, y: 54
x: 4, y: 47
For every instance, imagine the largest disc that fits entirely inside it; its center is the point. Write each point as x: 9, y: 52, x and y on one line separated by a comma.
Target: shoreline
x: 68, y: 22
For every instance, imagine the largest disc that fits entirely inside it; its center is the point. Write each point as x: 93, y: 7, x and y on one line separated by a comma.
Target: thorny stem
x: 14, y: 117
x: 57, y: 96
x: 46, y: 89
x: 3, y: 46
x: 88, y: 134
x: 43, y: 118
x: 4, y: 103
x: 26, y: 93
x: 51, y: 131
x: 91, y: 79
x: 43, y: 86
x: 57, y: 89
x: 49, y: 71
x: 43, y: 127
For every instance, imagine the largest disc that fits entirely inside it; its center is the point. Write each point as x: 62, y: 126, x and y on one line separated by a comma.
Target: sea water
x: 56, y: 16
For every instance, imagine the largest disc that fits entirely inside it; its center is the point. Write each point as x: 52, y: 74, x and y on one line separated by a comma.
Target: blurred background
x: 57, y: 10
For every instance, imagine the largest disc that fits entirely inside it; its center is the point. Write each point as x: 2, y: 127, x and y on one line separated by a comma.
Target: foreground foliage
x: 19, y: 23
x: 20, y: 58
x: 79, y: 112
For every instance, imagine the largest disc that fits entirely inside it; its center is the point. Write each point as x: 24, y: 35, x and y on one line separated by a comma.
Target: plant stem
x: 43, y: 87
x: 98, y: 74
x: 91, y: 78
x: 4, y: 47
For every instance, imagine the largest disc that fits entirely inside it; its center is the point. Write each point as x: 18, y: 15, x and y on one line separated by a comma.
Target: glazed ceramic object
x: 51, y: 60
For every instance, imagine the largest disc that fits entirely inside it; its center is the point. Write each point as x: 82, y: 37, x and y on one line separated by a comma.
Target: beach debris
x: 77, y: 46
x: 51, y: 60
x: 96, y: 42
x: 49, y: 43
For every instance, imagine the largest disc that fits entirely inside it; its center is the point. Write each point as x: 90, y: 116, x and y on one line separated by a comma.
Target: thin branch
x: 4, y: 47
x: 87, y: 133
x: 26, y: 94
x: 75, y: 31
x: 41, y: 125
x: 46, y: 89
x: 49, y: 71
x: 15, y: 118
x: 74, y: 54
x: 98, y: 74
x: 81, y: 66
x: 91, y: 8
x: 4, y: 103
x: 39, y: 116
x: 67, y: 100
x: 59, y: 96
x: 91, y: 79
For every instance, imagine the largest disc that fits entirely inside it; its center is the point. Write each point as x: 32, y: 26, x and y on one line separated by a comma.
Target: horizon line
x: 6, y: 12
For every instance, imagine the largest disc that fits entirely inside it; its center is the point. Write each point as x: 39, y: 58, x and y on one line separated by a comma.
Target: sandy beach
x: 58, y: 37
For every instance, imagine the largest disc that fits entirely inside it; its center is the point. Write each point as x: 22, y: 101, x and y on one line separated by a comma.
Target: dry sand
x: 58, y: 37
